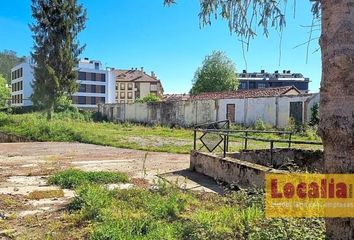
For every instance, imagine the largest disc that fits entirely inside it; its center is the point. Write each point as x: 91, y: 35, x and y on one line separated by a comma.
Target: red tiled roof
x: 134, y: 75
x: 251, y: 93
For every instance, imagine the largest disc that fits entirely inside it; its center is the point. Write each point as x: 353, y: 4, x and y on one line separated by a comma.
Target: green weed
x: 73, y: 178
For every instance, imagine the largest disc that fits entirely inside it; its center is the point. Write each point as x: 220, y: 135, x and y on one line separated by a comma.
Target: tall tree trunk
x: 337, y: 98
x: 50, y: 111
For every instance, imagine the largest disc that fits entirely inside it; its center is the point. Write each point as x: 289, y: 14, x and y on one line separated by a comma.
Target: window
x: 82, y: 76
x: 130, y: 86
x: 130, y: 95
x: 93, y: 89
x: 82, y: 100
x: 82, y: 88
x: 103, y: 77
x: 122, y: 86
x: 122, y: 95
x: 93, y: 77
x: 243, y: 85
x: 261, y: 85
x: 122, y: 101
x: 93, y: 101
x: 103, y: 89
x: 252, y: 85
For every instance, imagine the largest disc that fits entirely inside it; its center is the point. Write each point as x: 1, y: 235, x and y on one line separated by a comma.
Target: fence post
x: 271, y: 151
x: 195, y: 140
x: 225, y: 144
x: 246, y: 140
x: 290, y: 139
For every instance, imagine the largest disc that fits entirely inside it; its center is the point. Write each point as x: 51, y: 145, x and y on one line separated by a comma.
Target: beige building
x: 136, y: 84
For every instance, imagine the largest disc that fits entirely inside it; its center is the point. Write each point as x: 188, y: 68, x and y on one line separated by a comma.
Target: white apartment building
x: 96, y: 85
x: 21, y: 79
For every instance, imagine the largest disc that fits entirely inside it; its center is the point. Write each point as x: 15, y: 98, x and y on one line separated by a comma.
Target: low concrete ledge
x: 11, y: 138
x: 229, y: 170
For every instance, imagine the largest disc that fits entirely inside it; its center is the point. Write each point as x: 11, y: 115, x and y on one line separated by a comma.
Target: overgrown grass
x: 73, y: 178
x: 170, y: 213
x: 78, y: 127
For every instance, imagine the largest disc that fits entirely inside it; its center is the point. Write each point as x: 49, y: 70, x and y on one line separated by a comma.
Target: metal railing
x: 226, y: 133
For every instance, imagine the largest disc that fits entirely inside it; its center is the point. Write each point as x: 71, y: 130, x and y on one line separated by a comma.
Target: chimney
x: 262, y: 71
x: 142, y: 69
x: 153, y: 74
x: 244, y: 71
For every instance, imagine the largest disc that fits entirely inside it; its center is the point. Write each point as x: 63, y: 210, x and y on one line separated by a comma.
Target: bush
x: 73, y: 178
x: 315, y: 119
x: 91, y: 200
x: 259, y: 125
x: 149, y: 98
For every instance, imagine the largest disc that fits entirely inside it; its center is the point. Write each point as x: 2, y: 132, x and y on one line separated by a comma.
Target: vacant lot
x: 66, y: 128
x: 110, y: 206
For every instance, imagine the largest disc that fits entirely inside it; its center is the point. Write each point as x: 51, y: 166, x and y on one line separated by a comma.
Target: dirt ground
x: 25, y: 167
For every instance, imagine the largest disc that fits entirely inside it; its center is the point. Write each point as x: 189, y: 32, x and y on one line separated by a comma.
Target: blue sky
x: 143, y: 33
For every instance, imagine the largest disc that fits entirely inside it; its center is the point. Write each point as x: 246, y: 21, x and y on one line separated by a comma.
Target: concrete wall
x: 233, y: 171
x: 274, y: 111
x: 181, y: 113
x: 305, y: 160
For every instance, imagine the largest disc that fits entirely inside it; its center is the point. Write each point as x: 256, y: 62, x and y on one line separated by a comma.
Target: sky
x: 169, y: 41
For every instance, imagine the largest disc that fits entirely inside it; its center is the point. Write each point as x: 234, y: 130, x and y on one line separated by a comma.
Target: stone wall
x: 10, y: 138
x: 305, y: 160
x: 180, y: 113
x: 241, y: 173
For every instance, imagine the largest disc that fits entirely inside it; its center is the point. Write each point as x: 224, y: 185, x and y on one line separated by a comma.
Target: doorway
x: 230, y: 112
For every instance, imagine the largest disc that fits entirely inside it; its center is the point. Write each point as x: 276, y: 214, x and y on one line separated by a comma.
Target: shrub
x: 73, y: 178
x: 149, y: 98
x: 91, y: 200
x: 259, y: 125
x: 315, y: 115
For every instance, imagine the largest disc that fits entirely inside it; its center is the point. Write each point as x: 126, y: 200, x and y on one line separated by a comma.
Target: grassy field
x: 80, y: 128
x: 168, y: 212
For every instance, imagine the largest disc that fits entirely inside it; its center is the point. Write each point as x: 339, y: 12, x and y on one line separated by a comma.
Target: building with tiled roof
x: 251, y: 93
x: 136, y: 84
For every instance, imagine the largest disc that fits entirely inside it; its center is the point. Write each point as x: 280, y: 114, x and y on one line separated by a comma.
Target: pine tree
x: 56, y: 50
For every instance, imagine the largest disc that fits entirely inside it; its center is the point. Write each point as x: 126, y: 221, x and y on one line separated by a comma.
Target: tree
x: 4, y: 92
x: 56, y: 50
x: 8, y: 59
x: 315, y: 115
x: 336, y: 125
x: 149, y: 98
x: 217, y: 74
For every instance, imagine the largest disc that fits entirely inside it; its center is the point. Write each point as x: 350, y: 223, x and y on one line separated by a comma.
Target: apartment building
x: 21, y: 79
x: 135, y: 84
x: 96, y: 85
x: 264, y: 79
